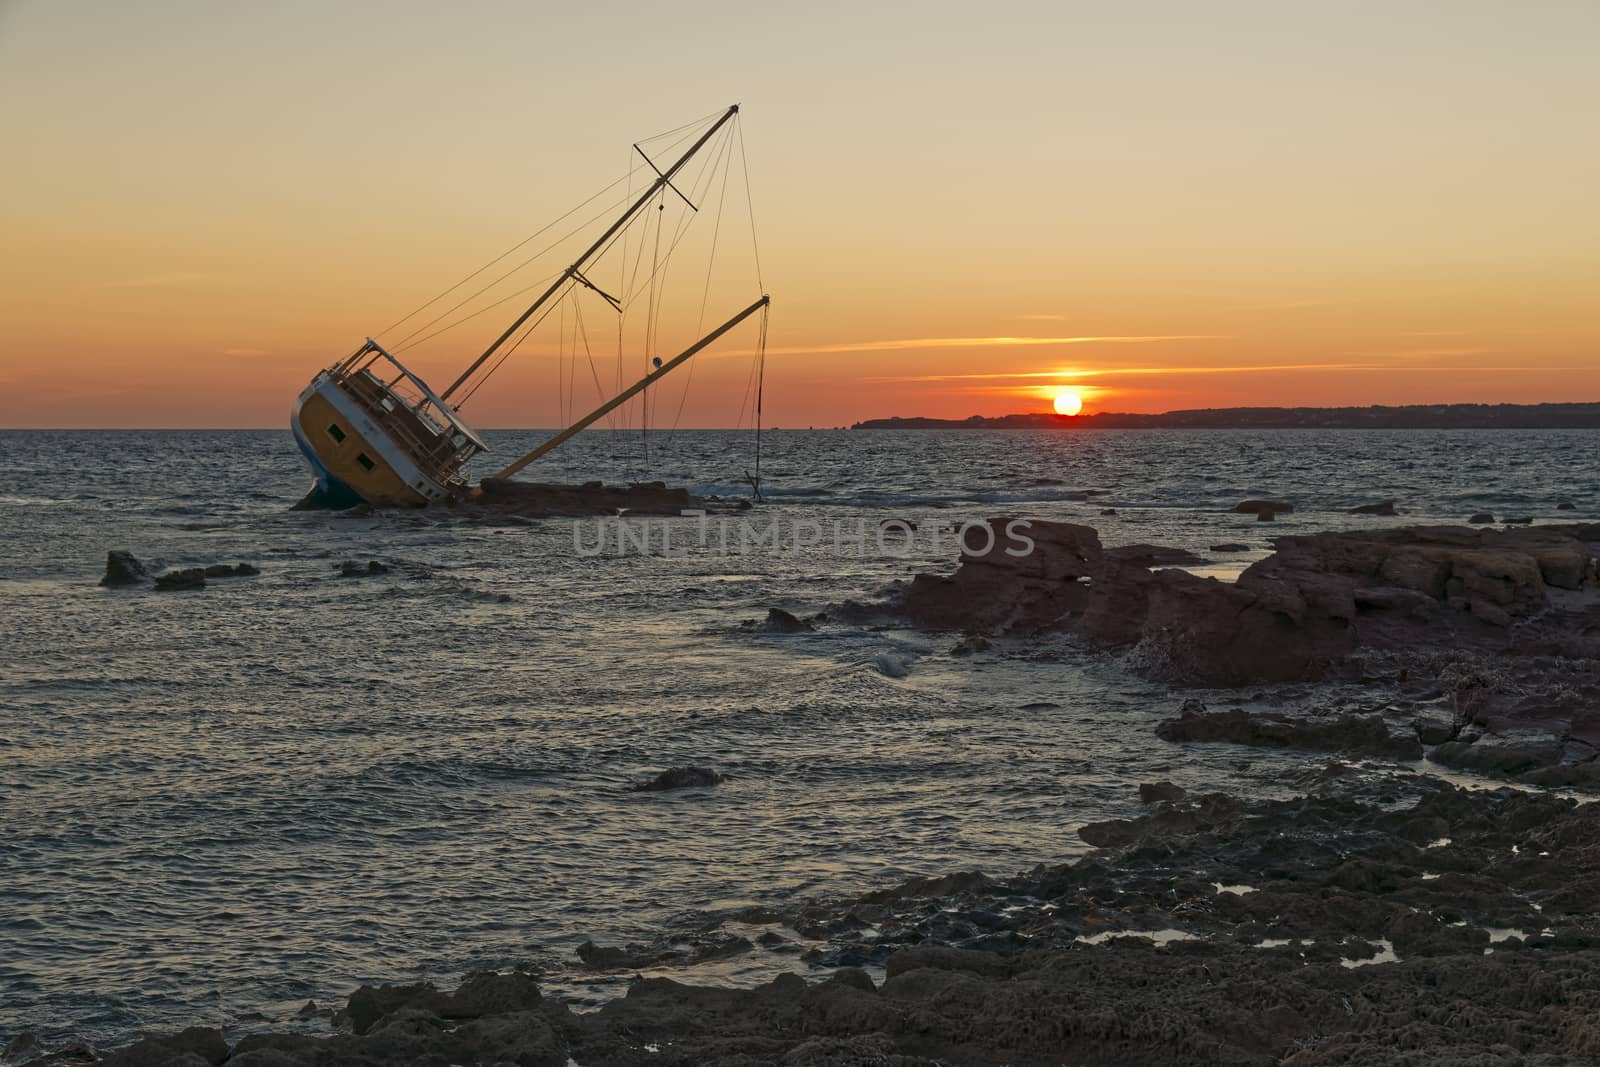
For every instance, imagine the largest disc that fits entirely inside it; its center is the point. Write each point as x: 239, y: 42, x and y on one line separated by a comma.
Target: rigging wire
x: 406, y: 342
x: 542, y: 230
x: 761, y: 382
x: 744, y: 165
x: 705, y: 292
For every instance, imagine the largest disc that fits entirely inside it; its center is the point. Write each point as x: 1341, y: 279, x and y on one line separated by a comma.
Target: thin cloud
x: 912, y: 343
x: 1254, y: 368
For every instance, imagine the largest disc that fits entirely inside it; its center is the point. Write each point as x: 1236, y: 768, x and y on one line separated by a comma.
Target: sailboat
x: 374, y: 432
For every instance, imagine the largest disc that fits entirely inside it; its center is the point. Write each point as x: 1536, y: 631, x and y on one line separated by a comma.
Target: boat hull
x: 352, y: 459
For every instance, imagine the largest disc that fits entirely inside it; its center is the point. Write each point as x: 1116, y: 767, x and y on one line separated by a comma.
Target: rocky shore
x: 1376, y: 920
x: 1385, y: 915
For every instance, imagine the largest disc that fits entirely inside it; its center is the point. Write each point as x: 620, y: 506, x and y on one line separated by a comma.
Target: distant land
x: 1410, y: 417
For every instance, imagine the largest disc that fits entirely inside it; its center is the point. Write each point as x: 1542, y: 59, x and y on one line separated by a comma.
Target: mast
x: 664, y: 179
x: 637, y: 387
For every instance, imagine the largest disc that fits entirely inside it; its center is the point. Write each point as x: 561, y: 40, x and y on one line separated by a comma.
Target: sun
x: 1068, y: 402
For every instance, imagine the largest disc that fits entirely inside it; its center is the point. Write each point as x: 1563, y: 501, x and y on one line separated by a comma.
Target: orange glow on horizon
x: 1098, y: 206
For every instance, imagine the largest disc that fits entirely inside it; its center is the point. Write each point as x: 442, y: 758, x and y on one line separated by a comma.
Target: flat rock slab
x: 544, y: 499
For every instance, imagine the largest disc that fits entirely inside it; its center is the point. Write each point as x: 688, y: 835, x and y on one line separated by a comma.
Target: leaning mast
x: 575, y: 272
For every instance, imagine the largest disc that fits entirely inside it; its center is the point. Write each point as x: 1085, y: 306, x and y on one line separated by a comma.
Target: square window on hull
x: 335, y: 433
x: 365, y: 460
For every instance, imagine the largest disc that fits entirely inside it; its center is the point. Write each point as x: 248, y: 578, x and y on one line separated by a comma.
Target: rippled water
x: 219, y: 804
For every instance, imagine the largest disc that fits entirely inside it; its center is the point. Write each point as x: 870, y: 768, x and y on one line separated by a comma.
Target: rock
x: 199, y: 1044
x: 1566, y: 505
x: 1488, y: 611
x: 1158, y: 792
x: 1229, y: 547
x: 491, y: 993
x: 1498, y: 756
x: 23, y: 1042
x: 779, y: 621
x: 1006, y: 586
x: 968, y: 646
x: 1356, y: 735
x: 1153, y: 556
x: 1481, y: 517
x: 891, y: 664
x: 1262, y: 507
x: 1435, y: 731
x: 1385, y: 507
x: 123, y: 569
x: 369, y: 1004
x: 680, y: 778
x: 1415, y: 570
x: 1565, y: 566
x: 1393, y: 598
x: 351, y: 569
x: 187, y: 578
x: 1108, y: 511
x: 607, y: 957
x: 237, y: 570
x: 1266, y: 516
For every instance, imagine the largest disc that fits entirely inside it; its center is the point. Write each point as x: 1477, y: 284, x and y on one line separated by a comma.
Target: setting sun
x: 1068, y: 402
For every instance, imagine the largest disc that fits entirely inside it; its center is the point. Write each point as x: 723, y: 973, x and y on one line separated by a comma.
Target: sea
x: 220, y: 804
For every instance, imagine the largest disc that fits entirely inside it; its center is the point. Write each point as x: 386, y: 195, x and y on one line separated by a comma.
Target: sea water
x: 219, y: 804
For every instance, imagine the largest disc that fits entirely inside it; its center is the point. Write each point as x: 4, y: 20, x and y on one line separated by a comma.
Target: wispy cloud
x: 1076, y: 373
x: 918, y: 343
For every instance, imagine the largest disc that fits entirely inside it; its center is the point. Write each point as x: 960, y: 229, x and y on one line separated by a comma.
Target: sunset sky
x: 960, y: 208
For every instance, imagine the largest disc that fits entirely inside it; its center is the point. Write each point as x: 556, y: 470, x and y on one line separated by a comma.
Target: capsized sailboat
x: 375, y: 432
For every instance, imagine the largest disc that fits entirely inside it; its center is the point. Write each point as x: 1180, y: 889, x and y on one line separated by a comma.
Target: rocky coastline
x: 1392, y: 912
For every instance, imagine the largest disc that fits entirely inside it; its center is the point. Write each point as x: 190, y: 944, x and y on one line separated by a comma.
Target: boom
x: 633, y: 390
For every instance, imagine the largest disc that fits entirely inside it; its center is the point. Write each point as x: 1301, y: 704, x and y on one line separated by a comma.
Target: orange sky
x: 958, y: 212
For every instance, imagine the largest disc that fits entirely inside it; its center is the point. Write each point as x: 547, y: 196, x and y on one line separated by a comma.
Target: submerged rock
x: 1385, y: 507
x: 1356, y: 735
x: 236, y: 570
x: 1262, y: 507
x: 1229, y: 547
x: 892, y: 664
x: 196, y: 1045
x: 779, y: 621
x: 1142, y: 555
x: 187, y: 578
x: 680, y: 778
x: 1566, y: 505
x: 1159, y: 792
x: 1481, y: 518
x: 352, y: 569
x: 122, y: 568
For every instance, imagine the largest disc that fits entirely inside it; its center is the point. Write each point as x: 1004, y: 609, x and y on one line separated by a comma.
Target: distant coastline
x: 1411, y: 417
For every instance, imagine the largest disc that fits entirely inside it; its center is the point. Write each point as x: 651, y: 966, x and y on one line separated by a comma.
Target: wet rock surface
x: 779, y: 621
x: 122, y: 568
x: 182, y: 579
x: 1346, y: 734
x: 680, y: 778
x: 543, y: 499
x: 1393, y: 919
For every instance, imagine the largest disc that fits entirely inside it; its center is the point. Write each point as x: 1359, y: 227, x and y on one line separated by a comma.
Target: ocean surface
x: 219, y: 804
